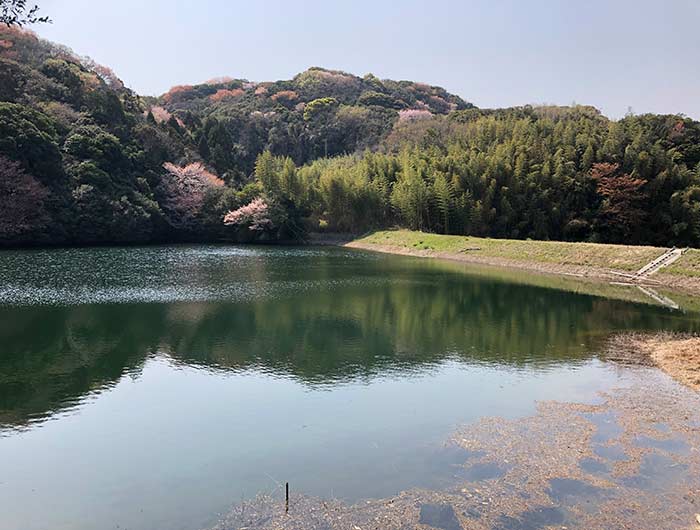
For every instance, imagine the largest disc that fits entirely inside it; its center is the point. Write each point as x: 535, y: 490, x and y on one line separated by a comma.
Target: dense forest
x: 84, y: 160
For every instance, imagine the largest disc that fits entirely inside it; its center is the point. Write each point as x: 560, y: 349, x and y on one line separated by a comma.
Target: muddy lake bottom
x: 181, y: 387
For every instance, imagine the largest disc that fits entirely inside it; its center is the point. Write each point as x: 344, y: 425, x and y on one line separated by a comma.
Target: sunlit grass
x: 688, y: 265
x: 621, y: 257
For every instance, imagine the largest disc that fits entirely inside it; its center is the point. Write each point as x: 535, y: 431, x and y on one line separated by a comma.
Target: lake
x: 155, y: 387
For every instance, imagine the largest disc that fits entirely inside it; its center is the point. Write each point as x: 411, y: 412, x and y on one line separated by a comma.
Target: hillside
x: 79, y: 164
x: 318, y: 113
x: 83, y: 160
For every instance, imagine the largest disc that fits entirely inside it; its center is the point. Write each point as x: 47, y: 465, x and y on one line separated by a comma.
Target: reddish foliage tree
x: 172, y: 94
x: 184, y: 190
x: 285, y: 96
x: 223, y: 93
x: 21, y: 202
x: 622, y: 210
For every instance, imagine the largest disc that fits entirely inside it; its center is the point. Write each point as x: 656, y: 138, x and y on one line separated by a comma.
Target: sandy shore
x: 686, y: 284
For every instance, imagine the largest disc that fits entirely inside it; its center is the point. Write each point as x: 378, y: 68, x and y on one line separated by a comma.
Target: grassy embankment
x: 588, y: 260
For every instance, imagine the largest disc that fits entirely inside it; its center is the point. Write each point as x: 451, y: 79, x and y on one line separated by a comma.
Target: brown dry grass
x: 677, y: 355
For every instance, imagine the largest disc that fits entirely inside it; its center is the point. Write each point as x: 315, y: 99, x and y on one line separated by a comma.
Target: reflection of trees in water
x: 53, y: 356
x: 324, y: 335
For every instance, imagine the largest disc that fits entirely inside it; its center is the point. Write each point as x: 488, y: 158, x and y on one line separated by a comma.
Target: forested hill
x: 83, y: 160
x: 318, y: 113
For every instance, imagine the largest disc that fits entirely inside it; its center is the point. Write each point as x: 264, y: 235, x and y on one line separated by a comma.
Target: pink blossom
x: 159, y: 114
x: 103, y: 72
x: 219, y: 80
x: 185, y: 189
x: 255, y: 215
x: 414, y: 114
x: 21, y: 201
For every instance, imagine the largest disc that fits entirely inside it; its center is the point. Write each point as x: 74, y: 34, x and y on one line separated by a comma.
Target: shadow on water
x: 573, y: 491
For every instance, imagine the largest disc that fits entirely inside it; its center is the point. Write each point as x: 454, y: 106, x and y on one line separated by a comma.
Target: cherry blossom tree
x: 103, y: 72
x: 219, y: 80
x: 255, y: 216
x: 414, y: 114
x: 21, y: 202
x: 184, y: 191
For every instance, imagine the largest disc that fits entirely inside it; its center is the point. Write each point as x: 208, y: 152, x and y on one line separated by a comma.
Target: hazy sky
x: 613, y: 54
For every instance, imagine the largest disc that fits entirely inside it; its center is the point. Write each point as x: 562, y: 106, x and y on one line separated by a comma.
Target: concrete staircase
x: 662, y: 261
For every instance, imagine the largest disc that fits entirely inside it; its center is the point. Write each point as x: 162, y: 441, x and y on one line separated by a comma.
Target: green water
x: 154, y: 387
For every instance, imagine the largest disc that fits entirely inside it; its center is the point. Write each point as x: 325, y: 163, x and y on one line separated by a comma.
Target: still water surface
x: 154, y: 387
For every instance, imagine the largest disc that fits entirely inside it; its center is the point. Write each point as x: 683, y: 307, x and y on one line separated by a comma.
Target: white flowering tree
x: 254, y: 216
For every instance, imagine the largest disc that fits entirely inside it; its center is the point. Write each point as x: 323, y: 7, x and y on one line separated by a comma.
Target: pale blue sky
x: 613, y: 54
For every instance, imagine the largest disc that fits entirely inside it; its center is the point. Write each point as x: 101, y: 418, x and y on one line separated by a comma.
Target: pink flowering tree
x: 255, y: 216
x: 159, y: 114
x: 414, y: 114
x: 184, y: 190
x: 22, y: 198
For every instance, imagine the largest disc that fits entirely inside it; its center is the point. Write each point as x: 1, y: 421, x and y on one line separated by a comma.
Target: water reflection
x: 324, y: 317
